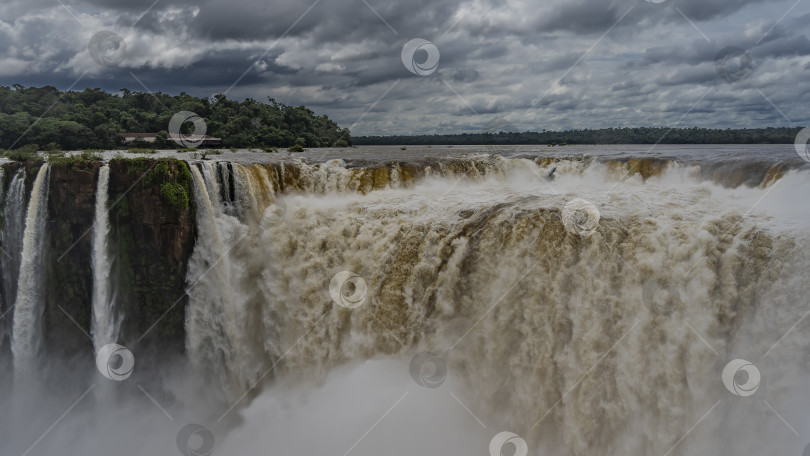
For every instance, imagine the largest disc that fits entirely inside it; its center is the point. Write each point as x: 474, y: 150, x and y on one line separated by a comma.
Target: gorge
x: 215, y: 274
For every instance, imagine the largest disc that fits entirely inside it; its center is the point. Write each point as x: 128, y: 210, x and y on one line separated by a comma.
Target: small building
x: 148, y: 137
x: 183, y: 140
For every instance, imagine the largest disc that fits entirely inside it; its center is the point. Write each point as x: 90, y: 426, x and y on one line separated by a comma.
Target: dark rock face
x: 151, y: 238
x: 67, y: 259
x: 150, y: 241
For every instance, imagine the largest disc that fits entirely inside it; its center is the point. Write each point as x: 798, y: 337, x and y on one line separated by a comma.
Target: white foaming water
x: 13, y: 226
x: 547, y: 329
x: 545, y: 333
x: 213, y: 320
x: 105, y: 323
x: 407, y: 419
x: 29, y: 303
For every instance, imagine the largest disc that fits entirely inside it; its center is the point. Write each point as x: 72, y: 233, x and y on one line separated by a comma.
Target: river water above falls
x: 419, y: 301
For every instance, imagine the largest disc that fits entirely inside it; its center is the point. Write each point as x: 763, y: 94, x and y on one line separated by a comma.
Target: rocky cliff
x: 151, y: 238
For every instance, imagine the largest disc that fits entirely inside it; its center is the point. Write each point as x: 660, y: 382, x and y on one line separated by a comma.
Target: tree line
x: 642, y: 135
x: 94, y: 119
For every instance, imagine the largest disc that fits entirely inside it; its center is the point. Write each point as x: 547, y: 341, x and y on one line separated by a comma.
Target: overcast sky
x: 534, y: 64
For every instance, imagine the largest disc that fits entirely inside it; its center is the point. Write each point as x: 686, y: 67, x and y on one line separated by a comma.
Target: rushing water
x: 211, y: 322
x: 548, y: 328
x: 105, y: 324
x: 12, y: 236
x: 28, y: 306
x: 590, y: 314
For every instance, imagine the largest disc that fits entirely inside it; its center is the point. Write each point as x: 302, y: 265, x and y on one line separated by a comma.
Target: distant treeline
x: 94, y: 119
x: 642, y: 135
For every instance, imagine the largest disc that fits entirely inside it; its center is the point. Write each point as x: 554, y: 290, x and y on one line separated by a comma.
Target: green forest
x: 49, y: 119
x: 45, y: 118
x: 644, y: 135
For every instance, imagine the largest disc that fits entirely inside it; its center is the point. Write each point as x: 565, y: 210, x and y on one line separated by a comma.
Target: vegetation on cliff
x: 153, y: 237
x: 86, y: 160
x: 170, y: 175
x: 94, y: 119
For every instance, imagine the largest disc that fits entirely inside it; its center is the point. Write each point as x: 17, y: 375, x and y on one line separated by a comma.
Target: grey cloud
x: 583, y: 16
x: 464, y: 75
x: 788, y: 47
x: 136, y: 5
x: 501, y: 57
x: 702, y: 75
x: 702, y: 10
x: 693, y: 53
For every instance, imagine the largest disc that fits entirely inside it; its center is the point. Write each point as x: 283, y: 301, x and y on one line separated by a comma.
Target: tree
x: 93, y: 118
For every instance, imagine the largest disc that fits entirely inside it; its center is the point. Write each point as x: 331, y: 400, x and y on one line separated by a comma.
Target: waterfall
x: 211, y: 323
x: 105, y: 323
x: 615, y: 339
x: 223, y: 336
x: 27, y: 335
x: 254, y: 192
x: 12, y: 236
x: 211, y: 185
x: 437, y: 256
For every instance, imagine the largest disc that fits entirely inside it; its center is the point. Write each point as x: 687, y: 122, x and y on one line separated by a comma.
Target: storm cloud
x: 555, y: 64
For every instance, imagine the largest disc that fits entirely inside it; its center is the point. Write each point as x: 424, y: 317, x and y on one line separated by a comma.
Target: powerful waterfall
x: 403, y: 305
x: 12, y: 236
x: 29, y: 303
x: 105, y: 324
x: 211, y: 339
x: 575, y: 340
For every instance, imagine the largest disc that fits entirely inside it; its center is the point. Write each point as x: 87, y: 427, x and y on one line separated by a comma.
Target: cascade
x: 105, y: 323
x: 28, y: 308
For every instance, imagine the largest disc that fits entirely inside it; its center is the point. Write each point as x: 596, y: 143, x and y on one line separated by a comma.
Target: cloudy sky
x: 534, y: 64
